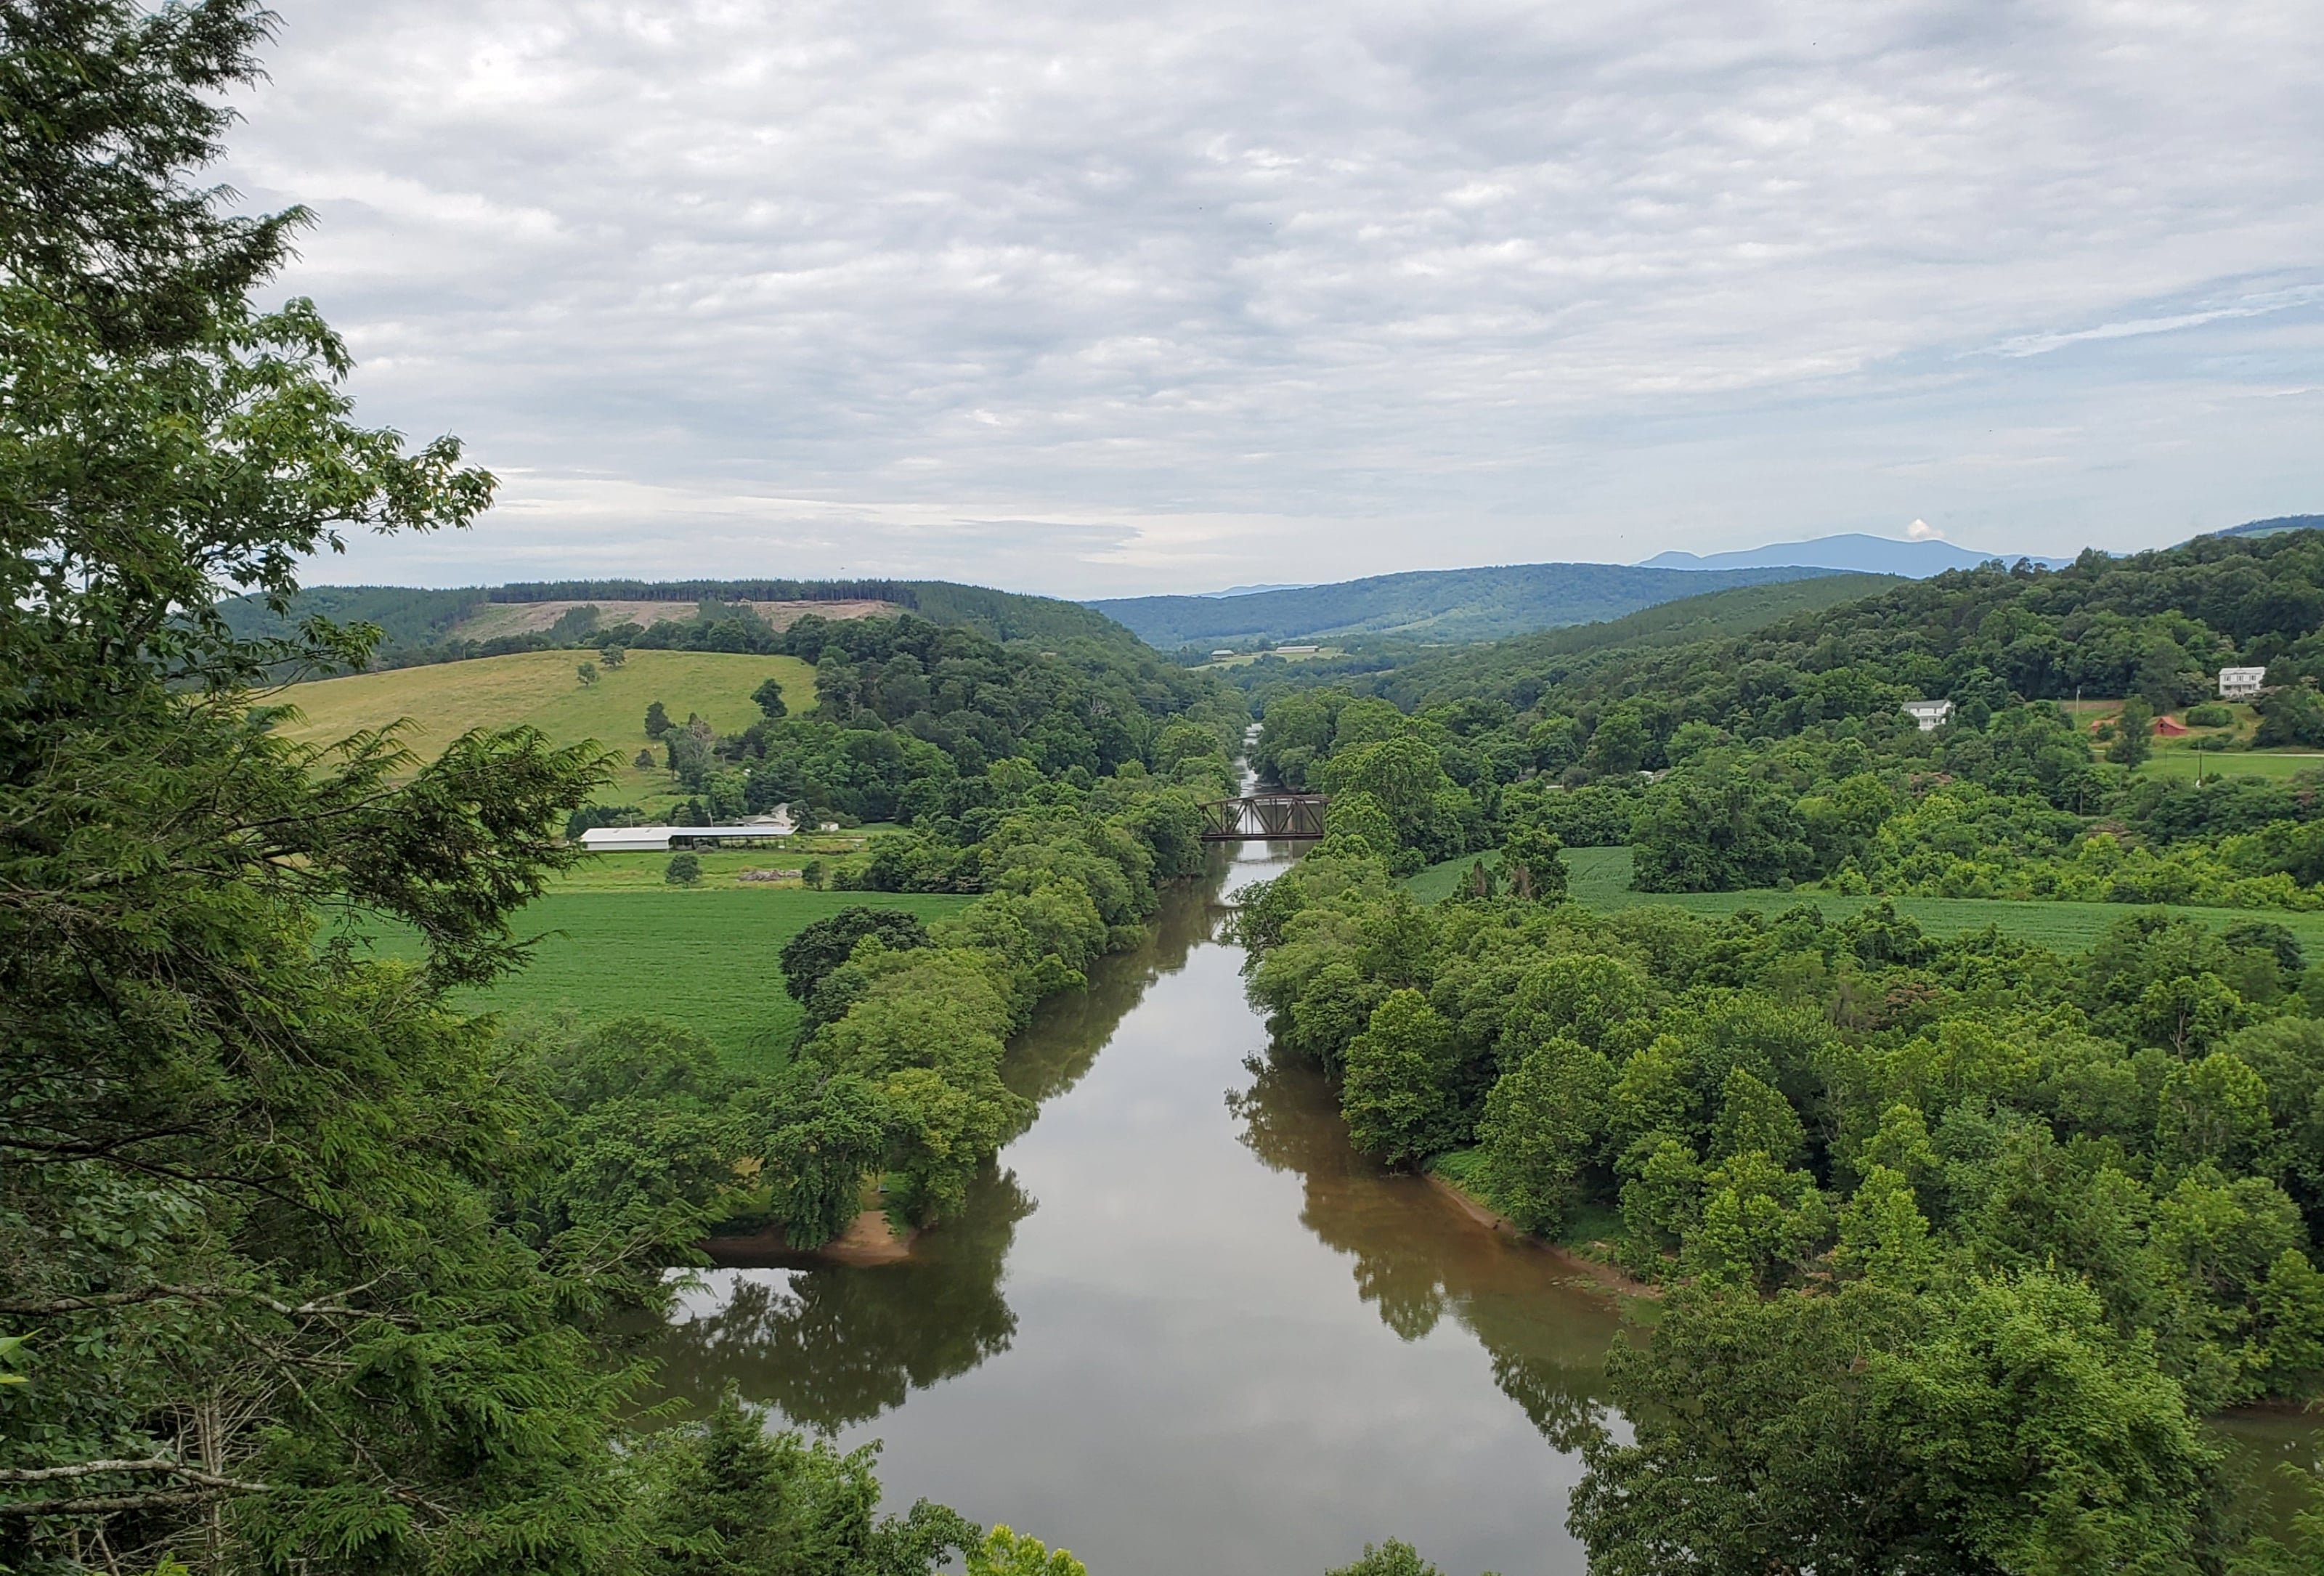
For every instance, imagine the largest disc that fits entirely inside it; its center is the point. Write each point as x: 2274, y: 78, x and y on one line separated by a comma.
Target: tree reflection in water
x: 1418, y: 1256
x: 835, y: 1346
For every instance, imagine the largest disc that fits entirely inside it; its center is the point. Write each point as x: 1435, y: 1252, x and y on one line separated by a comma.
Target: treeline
x: 408, y: 619
x: 1963, y: 1237
x: 895, y: 591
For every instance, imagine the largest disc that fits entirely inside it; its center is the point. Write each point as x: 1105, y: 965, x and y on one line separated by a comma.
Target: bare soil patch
x: 869, y: 1239
x: 1584, y: 1268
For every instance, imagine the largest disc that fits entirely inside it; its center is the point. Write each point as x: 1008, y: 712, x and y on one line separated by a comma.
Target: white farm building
x: 660, y: 839
x: 2241, y: 683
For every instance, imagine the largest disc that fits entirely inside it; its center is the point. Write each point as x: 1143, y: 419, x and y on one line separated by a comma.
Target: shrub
x: 682, y: 870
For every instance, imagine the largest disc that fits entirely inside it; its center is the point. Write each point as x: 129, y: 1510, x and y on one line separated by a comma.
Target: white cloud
x: 2257, y: 305
x: 1097, y: 300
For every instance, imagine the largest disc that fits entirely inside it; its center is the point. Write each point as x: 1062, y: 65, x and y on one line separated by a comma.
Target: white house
x: 1932, y: 715
x: 2241, y: 683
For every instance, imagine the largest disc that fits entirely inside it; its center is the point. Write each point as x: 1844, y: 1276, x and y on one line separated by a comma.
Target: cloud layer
x: 1100, y: 300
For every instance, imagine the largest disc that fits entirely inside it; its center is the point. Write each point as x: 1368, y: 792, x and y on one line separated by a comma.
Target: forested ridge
x: 1428, y: 604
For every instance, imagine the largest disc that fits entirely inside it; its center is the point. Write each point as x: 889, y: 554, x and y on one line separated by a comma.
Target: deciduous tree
x: 1399, y: 1094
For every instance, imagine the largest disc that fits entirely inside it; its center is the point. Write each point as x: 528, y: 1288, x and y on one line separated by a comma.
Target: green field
x: 2174, y: 761
x: 705, y: 956
x: 721, y: 868
x: 447, y: 699
x: 1321, y: 654
x: 1601, y: 879
x: 2177, y: 760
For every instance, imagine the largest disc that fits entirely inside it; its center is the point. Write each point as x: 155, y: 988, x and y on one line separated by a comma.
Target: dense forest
x: 916, y: 722
x: 1961, y: 1239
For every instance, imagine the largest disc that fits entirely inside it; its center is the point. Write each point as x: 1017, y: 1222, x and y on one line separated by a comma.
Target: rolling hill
x: 1429, y: 605
x: 445, y: 699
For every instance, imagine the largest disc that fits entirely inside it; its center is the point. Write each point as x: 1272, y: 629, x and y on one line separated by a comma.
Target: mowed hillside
x: 445, y: 699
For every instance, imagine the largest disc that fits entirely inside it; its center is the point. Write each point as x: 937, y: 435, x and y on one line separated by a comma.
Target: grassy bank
x: 447, y: 699
x: 1601, y: 879
x: 704, y: 957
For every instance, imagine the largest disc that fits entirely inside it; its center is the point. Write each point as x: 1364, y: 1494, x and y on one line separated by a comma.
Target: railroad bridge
x: 1264, y: 816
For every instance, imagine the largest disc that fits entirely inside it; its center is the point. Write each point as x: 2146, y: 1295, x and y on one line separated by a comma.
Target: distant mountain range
x: 1854, y: 552
x: 1427, y: 605
x: 1515, y: 599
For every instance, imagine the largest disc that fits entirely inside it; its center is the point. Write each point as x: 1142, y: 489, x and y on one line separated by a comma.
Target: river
x: 1184, y: 1326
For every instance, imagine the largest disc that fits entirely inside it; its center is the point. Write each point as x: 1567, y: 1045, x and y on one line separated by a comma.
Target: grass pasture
x: 1321, y: 654
x: 1601, y: 879
x: 721, y: 868
x: 445, y: 699
x: 701, y: 956
x: 2174, y: 761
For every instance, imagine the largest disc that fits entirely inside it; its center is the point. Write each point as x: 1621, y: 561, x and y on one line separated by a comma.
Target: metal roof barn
x: 650, y: 839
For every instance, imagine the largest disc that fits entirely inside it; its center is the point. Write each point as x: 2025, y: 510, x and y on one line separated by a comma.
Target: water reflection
x: 2276, y: 1456
x: 1419, y: 1256
x: 1067, y: 1031
x: 829, y: 1347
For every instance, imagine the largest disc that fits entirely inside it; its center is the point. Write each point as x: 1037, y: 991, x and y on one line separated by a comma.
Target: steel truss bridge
x: 1264, y: 816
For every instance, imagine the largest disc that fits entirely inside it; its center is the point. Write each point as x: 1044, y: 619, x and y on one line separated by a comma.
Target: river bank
x: 871, y: 1239
x: 1587, y: 1271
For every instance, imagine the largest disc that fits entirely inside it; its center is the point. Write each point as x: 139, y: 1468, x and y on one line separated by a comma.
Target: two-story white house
x: 2241, y: 683
x: 1932, y: 715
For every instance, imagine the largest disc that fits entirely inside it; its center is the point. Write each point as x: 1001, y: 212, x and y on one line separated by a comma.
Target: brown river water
x: 1182, y: 1325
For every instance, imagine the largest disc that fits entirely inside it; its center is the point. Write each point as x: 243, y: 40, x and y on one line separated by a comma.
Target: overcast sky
x: 1105, y: 298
